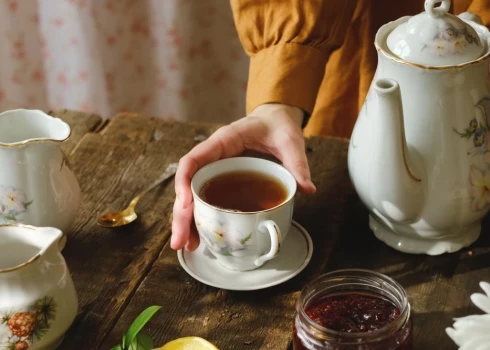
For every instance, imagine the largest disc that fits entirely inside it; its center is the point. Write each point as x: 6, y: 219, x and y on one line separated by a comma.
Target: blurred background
x: 177, y: 59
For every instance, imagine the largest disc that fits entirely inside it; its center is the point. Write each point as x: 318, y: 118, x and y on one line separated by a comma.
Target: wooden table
x: 120, y: 272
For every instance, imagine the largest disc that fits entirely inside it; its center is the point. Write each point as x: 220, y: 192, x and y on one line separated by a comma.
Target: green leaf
x: 10, y: 217
x: 466, y: 134
x: 226, y: 252
x: 137, y: 324
x: 141, y: 342
x: 117, y: 347
x: 40, y: 331
x: 26, y: 204
x: 45, y: 309
x: 246, y: 239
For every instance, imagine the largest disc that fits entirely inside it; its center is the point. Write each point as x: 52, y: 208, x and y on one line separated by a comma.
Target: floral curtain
x: 167, y: 58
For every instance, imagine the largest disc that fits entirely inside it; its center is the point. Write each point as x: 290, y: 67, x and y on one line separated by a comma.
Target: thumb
x: 293, y: 156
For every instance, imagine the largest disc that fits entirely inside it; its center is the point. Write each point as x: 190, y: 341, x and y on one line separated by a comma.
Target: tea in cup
x: 243, y: 209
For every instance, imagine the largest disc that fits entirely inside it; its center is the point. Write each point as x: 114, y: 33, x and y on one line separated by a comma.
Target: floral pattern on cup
x: 450, y: 41
x: 13, y: 202
x: 22, y: 328
x: 222, y: 238
x: 478, y: 134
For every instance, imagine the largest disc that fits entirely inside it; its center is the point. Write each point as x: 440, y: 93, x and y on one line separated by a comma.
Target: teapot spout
x: 396, y: 175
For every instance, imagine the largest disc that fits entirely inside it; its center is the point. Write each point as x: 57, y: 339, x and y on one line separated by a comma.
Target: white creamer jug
x: 38, y: 301
x: 37, y: 186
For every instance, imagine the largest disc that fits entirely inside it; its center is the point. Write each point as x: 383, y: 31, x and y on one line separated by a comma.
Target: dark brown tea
x: 245, y: 191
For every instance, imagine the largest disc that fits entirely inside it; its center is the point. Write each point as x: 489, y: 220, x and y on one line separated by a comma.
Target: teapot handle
x: 468, y: 16
x: 439, y: 11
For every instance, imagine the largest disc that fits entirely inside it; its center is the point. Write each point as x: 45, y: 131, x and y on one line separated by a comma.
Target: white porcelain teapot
x: 36, y: 185
x: 419, y: 155
x: 38, y: 301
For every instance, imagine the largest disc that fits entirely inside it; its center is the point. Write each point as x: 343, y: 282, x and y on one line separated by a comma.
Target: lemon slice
x: 189, y: 343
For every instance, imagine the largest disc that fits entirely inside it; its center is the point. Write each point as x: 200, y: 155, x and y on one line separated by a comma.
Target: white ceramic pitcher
x: 38, y: 301
x: 36, y: 185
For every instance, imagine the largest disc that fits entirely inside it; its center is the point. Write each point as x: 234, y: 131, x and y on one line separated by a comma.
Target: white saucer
x: 295, y: 254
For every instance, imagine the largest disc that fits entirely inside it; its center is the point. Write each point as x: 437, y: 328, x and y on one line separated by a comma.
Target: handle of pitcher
x: 271, y: 227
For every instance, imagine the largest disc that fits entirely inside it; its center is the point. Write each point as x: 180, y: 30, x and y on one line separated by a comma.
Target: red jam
x: 353, y: 312
x: 357, y: 312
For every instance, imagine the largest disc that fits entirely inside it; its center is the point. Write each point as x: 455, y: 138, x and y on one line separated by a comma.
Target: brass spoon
x: 128, y: 215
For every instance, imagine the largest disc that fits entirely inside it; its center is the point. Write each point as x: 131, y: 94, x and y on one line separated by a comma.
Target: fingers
x: 287, y: 144
x: 291, y: 151
x: 181, y: 224
x: 224, y: 143
x: 193, y: 242
x: 284, y: 139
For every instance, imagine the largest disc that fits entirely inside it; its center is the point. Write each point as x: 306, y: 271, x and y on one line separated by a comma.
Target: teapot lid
x: 435, y: 38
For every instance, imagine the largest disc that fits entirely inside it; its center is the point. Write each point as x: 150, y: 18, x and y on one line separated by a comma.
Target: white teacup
x: 243, y: 240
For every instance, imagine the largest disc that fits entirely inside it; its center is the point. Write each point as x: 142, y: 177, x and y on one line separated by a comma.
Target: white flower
x: 12, y: 200
x: 480, y: 190
x: 220, y: 237
x: 458, y: 45
x: 473, y: 332
x: 439, y: 47
x: 227, y: 237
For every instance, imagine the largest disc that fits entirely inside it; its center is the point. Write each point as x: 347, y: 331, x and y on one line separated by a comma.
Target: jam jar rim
x: 401, y: 320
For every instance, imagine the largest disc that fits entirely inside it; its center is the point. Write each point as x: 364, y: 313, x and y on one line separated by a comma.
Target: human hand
x: 271, y: 128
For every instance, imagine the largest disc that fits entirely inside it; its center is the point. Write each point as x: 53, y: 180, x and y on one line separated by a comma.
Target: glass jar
x: 394, y: 335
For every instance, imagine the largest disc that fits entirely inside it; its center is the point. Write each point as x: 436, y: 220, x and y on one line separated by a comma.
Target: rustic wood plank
x: 120, y: 272
x: 108, y: 264
x: 439, y: 287
x: 264, y: 318
x: 81, y: 123
x: 177, y: 131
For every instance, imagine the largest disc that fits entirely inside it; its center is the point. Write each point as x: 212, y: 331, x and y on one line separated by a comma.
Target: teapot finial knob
x: 438, y: 11
x: 436, y: 37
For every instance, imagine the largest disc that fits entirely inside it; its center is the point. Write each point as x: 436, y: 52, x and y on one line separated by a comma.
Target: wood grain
x: 81, y: 124
x: 120, y: 272
x: 439, y: 287
x: 108, y: 264
x: 245, y: 320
